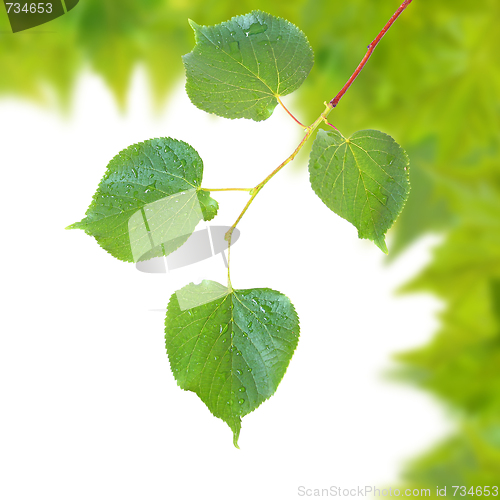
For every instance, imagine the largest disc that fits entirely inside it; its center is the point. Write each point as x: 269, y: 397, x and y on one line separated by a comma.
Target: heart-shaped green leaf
x: 231, y: 347
x: 239, y: 67
x: 364, y: 179
x: 148, y: 202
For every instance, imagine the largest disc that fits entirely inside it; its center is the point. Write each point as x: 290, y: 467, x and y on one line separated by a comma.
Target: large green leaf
x: 239, y: 67
x: 232, y: 350
x: 148, y: 202
x: 364, y: 179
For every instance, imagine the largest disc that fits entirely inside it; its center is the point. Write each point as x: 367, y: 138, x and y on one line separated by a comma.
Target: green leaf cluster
x: 438, y: 93
x: 232, y: 347
x: 461, y: 364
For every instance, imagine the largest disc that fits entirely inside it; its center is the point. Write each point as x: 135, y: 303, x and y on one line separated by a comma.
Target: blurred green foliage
x: 433, y: 83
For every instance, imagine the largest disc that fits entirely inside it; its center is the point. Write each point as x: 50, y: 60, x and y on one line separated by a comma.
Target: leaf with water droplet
x: 128, y: 178
x: 364, y: 179
x: 239, y: 67
x: 213, y: 353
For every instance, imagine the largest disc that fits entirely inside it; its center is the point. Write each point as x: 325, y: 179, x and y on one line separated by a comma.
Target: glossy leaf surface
x: 148, y: 202
x: 232, y: 351
x: 239, y: 67
x: 364, y: 179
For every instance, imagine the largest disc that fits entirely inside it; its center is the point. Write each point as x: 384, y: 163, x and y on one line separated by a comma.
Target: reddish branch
x: 371, y: 48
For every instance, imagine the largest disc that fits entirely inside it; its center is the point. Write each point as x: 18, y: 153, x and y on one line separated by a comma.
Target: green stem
x: 229, y: 286
x: 225, y: 189
x: 322, y: 118
x: 255, y: 191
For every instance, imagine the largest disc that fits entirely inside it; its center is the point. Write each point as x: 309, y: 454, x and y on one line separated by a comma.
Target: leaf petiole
x: 290, y: 114
x: 225, y: 189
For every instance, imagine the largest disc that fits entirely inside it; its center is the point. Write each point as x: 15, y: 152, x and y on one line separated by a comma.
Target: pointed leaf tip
x: 382, y: 245
x: 235, y: 439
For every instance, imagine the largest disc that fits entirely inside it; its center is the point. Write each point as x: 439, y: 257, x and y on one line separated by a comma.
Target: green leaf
x: 364, y: 179
x: 148, y: 202
x: 231, y: 347
x: 238, y: 68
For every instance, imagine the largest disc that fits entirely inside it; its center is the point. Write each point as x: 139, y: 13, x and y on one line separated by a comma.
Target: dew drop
x: 257, y: 28
x: 241, y: 401
x: 242, y: 389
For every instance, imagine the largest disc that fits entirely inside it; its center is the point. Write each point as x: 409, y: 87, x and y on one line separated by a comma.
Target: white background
x: 89, y: 407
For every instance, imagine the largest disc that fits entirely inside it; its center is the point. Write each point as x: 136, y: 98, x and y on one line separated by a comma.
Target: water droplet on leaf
x: 257, y: 28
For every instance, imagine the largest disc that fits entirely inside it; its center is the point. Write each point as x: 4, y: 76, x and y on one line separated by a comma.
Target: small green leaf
x: 231, y: 347
x: 364, y: 179
x: 239, y: 67
x: 148, y: 202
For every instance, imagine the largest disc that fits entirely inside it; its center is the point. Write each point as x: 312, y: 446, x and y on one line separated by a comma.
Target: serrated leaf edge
x: 236, y: 433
